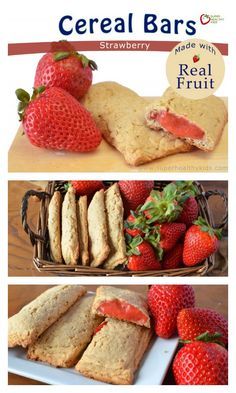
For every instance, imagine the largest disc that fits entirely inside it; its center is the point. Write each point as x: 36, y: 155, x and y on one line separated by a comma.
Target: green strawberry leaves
x: 186, y: 188
x: 166, y: 206
x: 205, y: 227
x: 62, y: 55
x: 133, y: 244
x: 22, y: 95
x: 206, y: 337
x: 24, y: 99
x: 139, y: 221
x: 162, y: 206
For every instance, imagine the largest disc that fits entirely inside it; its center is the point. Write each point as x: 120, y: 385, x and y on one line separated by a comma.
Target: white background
x: 31, y: 21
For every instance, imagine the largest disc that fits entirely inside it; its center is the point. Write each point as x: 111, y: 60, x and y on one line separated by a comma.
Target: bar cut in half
x: 199, y: 122
x: 121, y: 304
x: 115, y: 352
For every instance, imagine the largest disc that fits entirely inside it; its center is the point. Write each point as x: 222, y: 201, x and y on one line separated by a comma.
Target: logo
x: 204, y: 19
x: 210, y: 18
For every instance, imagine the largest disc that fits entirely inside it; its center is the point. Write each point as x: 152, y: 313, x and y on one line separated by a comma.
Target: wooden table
x: 212, y: 296
x: 20, y: 250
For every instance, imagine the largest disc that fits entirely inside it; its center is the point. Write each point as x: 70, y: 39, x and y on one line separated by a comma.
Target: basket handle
x: 208, y: 194
x: 24, y: 208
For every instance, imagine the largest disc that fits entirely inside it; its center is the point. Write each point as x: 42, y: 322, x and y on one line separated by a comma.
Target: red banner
x: 42, y: 47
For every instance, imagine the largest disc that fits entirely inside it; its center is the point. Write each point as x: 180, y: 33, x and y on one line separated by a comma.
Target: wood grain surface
x: 24, y: 157
x: 212, y: 296
x: 20, y: 250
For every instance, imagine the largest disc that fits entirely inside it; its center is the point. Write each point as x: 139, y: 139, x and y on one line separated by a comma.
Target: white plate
x: 151, y: 372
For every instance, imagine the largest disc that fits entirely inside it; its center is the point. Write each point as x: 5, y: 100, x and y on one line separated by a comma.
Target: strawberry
x: 164, y: 237
x: 86, y: 187
x: 135, y: 224
x: 193, y: 322
x: 53, y: 119
x: 141, y: 255
x: 196, y: 58
x: 134, y: 193
x: 189, y: 212
x: 166, y: 206
x: 170, y: 233
x: 173, y: 258
x: 165, y: 302
x: 161, y: 207
x: 68, y: 70
x: 200, y: 363
x: 201, y: 240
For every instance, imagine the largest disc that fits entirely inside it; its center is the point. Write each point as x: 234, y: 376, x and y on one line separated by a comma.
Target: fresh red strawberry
x: 173, y: 258
x: 201, y: 240
x: 134, y: 193
x: 135, y: 224
x: 164, y: 237
x: 166, y: 206
x: 86, y: 187
x: 141, y: 256
x: 189, y: 212
x: 53, y: 119
x: 200, y: 363
x: 193, y: 322
x: 170, y: 233
x: 165, y: 302
x: 68, y: 70
x: 162, y: 206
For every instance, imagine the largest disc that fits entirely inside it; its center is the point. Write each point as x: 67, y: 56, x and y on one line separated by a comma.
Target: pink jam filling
x: 177, y: 125
x: 122, y: 310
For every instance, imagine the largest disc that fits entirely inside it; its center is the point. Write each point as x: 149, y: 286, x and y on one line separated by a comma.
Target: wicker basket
x: 41, y: 249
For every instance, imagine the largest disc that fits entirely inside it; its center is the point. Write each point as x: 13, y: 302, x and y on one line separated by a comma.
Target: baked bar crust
x: 32, y: 320
x: 209, y: 114
x: 122, y: 304
x: 98, y: 231
x: 82, y: 219
x: 62, y: 343
x: 54, y: 227
x: 120, y: 115
x: 70, y: 238
x: 115, y: 213
x: 115, y: 352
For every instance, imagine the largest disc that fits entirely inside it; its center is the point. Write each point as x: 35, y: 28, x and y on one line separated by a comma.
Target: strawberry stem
x: 205, y: 227
x: 61, y: 55
x: 24, y: 99
x: 132, y: 246
x: 206, y: 337
x: 58, y: 56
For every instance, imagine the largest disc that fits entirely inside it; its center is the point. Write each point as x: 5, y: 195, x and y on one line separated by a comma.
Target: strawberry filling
x: 177, y: 125
x: 122, y: 310
x: 99, y: 327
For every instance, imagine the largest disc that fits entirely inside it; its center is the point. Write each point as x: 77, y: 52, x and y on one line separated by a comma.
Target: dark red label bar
x: 162, y: 46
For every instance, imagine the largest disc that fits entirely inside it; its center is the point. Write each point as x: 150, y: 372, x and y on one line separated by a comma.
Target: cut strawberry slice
x: 122, y: 310
x: 177, y: 125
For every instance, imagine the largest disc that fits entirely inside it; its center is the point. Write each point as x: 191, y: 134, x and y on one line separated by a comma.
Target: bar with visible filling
x: 121, y: 304
x: 115, y: 352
